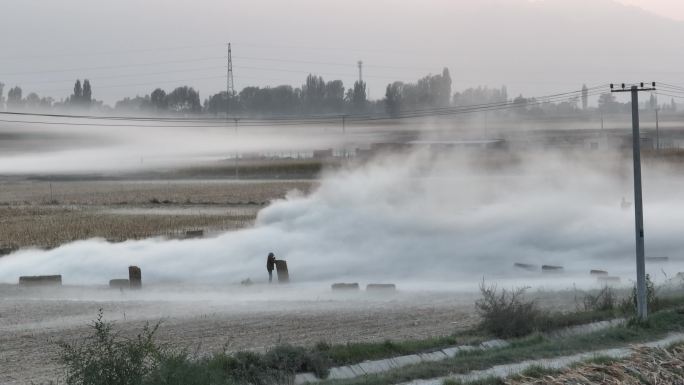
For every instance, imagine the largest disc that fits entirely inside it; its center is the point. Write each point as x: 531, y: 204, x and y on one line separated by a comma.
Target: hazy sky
x: 668, y: 8
x: 129, y: 47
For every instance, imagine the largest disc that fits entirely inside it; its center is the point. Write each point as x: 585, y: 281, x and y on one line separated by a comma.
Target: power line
x: 536, y: 100
x: 670, y: 95
x: 299, y: 120
x: 71, y: 80
x: 340, y: 64
x: 170, y: 81
x: 115, y: 66
x: 102, y: 53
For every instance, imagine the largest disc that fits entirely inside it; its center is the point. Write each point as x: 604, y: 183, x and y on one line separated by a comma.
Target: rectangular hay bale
x: 525, y: 266
x: 381, y: 287
x: 552, y: 269
x: 7, y: 250
x: 41, y: 280
x: 194, y: 234
x: 345, y: 286
x: 119, y: 284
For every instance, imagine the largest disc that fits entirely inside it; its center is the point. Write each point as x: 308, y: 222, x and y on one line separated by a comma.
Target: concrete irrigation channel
x: 385, y: 365
x: 504, y: 371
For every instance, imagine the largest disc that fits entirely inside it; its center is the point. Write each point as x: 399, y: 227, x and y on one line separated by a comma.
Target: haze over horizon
x: 558, y: 45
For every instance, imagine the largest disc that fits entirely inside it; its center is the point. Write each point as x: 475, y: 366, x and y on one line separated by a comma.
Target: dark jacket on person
x: 270, y: 262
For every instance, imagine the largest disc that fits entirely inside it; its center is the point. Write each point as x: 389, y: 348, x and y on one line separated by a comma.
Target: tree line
x: 315, y: 97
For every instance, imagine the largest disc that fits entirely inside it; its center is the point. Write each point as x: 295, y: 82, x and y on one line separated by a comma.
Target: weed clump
x: 293, y: 359
x: 653, y: 302
x: 506, y: 313
x: 105, y: 358
x: 604, y: 300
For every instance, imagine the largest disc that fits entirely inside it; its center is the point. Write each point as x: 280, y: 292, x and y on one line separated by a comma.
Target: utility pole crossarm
x: 640, y: 87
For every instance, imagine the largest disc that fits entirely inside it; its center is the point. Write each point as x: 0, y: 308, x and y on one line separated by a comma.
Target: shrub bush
x: 653, y: 303
x: 604, y: 300
x: 506, y: 313
x: 105, y: 358
x: 293, y: 359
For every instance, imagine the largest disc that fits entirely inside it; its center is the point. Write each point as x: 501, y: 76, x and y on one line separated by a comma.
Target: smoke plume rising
x: 416, y: 218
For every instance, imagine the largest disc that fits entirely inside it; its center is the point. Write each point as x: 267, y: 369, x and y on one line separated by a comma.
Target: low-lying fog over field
x: 433, y: 176
x: 423, y: 219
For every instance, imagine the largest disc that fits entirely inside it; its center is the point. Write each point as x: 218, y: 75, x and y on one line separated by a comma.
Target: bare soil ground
x: 33, y: 322
x: 47, y: 214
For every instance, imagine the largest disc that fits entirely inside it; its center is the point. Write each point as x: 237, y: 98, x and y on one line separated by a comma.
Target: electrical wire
x: 287, y: 121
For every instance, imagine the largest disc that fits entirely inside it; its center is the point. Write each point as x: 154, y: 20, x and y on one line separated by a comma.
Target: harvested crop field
x: 134, y: 192
x: 48, y: 214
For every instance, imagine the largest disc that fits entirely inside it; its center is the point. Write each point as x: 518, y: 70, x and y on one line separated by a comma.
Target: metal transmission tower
x: 642, y: 311
x: 230, y: 86
x: 230, y: 92
x: 360, y: 71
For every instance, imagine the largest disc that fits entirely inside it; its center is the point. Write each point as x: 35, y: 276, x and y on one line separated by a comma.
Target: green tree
x: 2, y: 98
x: 393, y: 95
x: 184, y: 99
x: 158, y: 100
x: 215, y: 104
x: 135, y: 104
x: 429, y: 91
x: 87, y: 97
x: 78, y: 93
x: 334, y: 96
x: 32, y: 101
x: 443, y: 87
x: 607, y: 103
x: 480, y: 95
x: 359, y: 100
x: 14, y: 100
x: 313, y: 93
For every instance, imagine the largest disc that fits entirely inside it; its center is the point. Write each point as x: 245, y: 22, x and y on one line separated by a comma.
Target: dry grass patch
x: 50, y: 213
x: 645, y: 366
x: 40, y: 226
x: 143, y: 192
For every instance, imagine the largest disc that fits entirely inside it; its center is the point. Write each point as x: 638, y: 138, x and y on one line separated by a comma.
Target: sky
x: 667, y: 8
x: 130, y: 47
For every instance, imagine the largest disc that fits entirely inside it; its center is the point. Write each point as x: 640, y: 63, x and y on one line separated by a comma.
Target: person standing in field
x: 270, y: 265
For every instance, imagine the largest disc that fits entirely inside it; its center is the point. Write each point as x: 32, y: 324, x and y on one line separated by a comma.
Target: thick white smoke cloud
x: 411, y: 218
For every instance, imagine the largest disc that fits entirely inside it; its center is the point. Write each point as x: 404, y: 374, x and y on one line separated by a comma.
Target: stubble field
x: 46, y: 214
